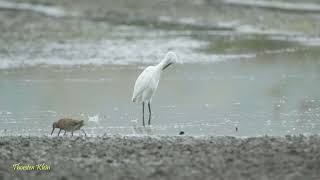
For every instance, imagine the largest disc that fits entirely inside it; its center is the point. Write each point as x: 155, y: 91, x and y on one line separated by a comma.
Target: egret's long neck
x: 163, y: 63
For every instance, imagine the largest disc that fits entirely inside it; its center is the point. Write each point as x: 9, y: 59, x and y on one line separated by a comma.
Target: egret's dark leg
x: 71, y: 133
x: 59, y: 132
x: 149, y: 106
x: 143, y: 113
x: 65, y: 132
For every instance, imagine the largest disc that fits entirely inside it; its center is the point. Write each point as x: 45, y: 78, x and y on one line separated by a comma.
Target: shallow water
x: 258, y: 96
x: 263, y: 80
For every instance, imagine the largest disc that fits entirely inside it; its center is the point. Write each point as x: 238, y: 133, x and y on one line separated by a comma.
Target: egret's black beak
x: 52, y: 131
x: 166, y: 66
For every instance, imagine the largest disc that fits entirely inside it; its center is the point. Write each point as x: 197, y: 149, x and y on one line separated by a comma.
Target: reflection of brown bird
x: 67, y: 124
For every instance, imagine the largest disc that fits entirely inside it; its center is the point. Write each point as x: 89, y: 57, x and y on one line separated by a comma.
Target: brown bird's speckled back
x: 70, y: 124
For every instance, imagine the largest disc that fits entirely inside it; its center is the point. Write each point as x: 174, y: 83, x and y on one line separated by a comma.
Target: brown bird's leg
x: 51, y: 131
x: 149, y: 106
x: 143, y: 113
x: 59, y: 132
x: 84, y: 132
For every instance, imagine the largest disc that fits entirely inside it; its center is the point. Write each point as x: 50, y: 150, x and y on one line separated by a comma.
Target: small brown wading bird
x: 67, y: 124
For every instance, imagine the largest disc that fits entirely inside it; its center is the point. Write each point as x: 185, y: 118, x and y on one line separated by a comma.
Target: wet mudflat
x: 118, y: 157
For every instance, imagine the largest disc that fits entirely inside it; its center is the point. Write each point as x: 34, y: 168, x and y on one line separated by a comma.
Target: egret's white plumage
x: 148, y: 80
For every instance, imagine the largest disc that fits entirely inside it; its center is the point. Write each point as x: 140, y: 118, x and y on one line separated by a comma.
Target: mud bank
x: 117, y: 157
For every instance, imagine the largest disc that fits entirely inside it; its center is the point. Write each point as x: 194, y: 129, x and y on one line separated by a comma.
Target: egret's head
x: 169, y: 59
x: 54, y: 125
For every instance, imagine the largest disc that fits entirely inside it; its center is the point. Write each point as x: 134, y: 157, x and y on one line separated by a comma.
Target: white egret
x: 148, y: 81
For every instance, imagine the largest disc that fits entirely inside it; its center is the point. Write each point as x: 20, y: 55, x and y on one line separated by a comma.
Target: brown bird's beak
x: 52, y: 131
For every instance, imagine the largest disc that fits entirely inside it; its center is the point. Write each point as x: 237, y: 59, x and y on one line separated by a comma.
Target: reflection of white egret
x: 148, y: 81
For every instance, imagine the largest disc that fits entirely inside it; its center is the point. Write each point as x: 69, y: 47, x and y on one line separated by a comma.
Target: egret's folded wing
x: 141, y: 83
